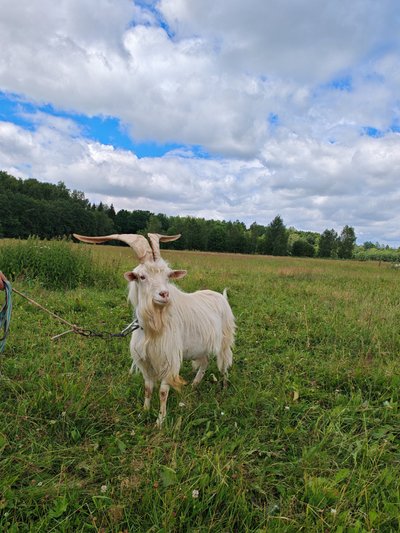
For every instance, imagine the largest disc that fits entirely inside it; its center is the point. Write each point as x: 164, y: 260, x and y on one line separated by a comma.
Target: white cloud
x: 216, y: 82
x: 307, y: 40
x: 310, y: 184
x: 279, y: 90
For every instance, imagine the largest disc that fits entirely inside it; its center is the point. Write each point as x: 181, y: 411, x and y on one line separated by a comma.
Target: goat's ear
x: 130, y: 276
x: 177, y: 274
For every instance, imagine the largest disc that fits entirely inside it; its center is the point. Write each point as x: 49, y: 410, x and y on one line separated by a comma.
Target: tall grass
x: 54, y: 264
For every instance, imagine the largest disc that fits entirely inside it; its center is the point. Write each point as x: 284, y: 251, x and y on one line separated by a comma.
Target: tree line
x: 29, y: 207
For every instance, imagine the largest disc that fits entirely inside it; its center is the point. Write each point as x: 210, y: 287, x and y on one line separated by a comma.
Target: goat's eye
x: 142, y: 277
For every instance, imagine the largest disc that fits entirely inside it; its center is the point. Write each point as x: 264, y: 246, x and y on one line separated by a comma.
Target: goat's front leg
x: 148, y: 391
x: 164, y: 390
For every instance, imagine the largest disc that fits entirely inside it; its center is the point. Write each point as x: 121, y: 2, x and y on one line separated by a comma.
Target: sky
x: 225, y: 110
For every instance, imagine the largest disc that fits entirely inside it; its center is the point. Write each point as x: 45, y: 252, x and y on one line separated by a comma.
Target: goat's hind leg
x: 201, y: 365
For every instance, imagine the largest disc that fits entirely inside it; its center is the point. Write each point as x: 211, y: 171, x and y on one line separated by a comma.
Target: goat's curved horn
x: 138, y: 243
x: 156, y: 238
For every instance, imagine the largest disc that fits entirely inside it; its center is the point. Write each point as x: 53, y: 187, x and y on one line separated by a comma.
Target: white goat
x: 174, y: 325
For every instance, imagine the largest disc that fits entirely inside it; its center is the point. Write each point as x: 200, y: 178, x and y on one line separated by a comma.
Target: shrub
x: 54, y: 264
x: 378, y: 254
x: 302, y: 248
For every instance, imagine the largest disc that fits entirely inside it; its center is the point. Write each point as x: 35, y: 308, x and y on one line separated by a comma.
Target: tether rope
x: 5, y: 314
x: 5, y: 319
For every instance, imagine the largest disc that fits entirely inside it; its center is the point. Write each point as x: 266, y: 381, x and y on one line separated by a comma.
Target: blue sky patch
x: 13, y: 110
x: 105, y: 130
x: 273, y: 119
x: 372, y: 132
x: 152, y: 8
x: 342, y: 84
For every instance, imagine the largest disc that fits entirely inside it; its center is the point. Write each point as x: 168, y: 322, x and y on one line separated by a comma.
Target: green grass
x: 53, y: 264
x: 306, y: 437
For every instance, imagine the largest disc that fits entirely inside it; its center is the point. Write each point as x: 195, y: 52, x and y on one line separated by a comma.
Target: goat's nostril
x: 164, y: 294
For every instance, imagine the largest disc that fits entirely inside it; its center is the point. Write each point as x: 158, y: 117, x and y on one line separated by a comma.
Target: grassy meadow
x: 305, y: 438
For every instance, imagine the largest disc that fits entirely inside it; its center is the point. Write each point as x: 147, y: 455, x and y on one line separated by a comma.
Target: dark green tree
x: 328, y: 244
x: 131, y: 221
x: 111, y: 212
x: 276, y: 238
x: 302, y: 248
x: 177, y: 226
x: 164, y: 220
x: 347, y: 241
x: 217, y: 237
x: 256, y: 233
x: 236, y: 237
x: 368, y: 245
x: 154, y: 225
x: 28, y: 207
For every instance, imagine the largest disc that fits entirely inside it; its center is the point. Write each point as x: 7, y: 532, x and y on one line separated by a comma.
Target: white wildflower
x: 195, y: 493
x: 103, y: 489
x: 181, y: 404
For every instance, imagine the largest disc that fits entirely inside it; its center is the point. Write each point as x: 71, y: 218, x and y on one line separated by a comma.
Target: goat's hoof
x: 159, y: 422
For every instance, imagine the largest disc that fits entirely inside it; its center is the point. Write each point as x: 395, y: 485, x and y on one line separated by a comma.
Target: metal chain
x: 104, y: 334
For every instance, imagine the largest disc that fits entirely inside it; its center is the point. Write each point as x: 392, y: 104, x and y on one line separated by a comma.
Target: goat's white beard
x: 156, y: 350
x: 153, y: 317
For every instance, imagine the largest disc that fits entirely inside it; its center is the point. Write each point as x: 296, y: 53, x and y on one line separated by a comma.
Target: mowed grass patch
x: 304, y: 439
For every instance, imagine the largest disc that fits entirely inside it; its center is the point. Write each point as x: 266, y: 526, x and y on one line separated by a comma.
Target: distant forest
x: 29, y: 207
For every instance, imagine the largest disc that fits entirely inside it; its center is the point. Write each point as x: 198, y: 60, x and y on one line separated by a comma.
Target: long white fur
x: 191, y: 326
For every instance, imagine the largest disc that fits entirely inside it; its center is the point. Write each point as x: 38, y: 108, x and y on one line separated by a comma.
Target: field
x: 305, y: 438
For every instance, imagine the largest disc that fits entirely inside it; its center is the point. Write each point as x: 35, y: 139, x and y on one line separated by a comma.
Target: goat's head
x: 152, y: 279
x: 153, y: 273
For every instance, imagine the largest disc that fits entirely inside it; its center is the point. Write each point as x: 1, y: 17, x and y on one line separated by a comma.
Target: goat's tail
x: 225, y: 294
x: 224, y: 356
x: 176, y: 382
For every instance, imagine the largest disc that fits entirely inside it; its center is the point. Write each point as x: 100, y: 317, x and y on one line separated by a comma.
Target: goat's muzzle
x: 162, y: 298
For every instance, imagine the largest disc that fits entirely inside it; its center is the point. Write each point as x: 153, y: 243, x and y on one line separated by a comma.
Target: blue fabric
x: 5, y: 315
